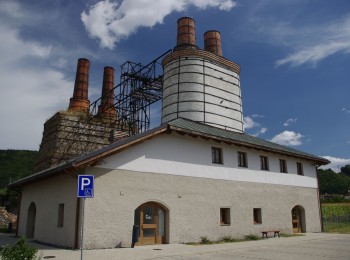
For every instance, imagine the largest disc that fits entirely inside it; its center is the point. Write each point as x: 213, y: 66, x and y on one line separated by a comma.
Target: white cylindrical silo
x: 202, y: 86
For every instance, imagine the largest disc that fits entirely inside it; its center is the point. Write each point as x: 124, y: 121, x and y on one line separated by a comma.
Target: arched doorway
x: 31, y: 220
x: 298, y: 219
x: 151, y: 218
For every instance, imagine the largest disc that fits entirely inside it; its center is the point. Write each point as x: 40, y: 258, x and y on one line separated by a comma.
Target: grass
x: 229, y: 239
x: 332, y: 227
x: 225, y: 239
x: 290, y: 235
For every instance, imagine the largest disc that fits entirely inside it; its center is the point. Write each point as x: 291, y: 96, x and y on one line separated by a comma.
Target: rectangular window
x: 225, y: 218
x: 60, y: 215
x: 264, y: 163
x: 242, y: 159
x: 300, y: 168
x: 283, y: 166
x: 216, y: 154
x: 257, y: 215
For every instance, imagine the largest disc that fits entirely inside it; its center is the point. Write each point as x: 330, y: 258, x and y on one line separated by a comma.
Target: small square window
x: 225, y: 218
x: 264, y: 163
x: 257, y: 215
x: 283, y: 166
x: 216, y: 154
x: 242, y: 159
x: 300, y: 170
x: 60, y: 215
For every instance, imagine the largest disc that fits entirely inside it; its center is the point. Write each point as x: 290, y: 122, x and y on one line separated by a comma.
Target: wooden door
x: 151, y: 219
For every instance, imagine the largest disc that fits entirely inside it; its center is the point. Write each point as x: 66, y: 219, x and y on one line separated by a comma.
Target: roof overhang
x: 205, y: 132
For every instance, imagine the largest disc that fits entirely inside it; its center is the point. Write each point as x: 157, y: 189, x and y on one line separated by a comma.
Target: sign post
x: 85, y: 190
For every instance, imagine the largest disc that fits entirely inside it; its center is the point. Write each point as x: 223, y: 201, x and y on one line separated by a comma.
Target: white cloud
x: 30, y: 90
x: 257, y: 116
x: 314, y: 54
x: 309, y: 40
x: 290, y: 121
x: 110, y: 22
x: 262, y: 131
x: 346, y: 110
x: 288, y: 138
x: 248, y: 123
x: 335, y: 163
x: 318, y: 43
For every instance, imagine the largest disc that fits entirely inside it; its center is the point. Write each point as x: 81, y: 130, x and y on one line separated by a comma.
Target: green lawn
x: 332, y: 227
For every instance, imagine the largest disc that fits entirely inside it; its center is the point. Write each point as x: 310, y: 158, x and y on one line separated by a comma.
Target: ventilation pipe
x: 186, y: 34
x: 212, y: 42
x: 80, y: 102
x: 106, y: 108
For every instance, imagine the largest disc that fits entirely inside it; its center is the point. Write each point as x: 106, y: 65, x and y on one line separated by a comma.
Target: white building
x: 195, y: 175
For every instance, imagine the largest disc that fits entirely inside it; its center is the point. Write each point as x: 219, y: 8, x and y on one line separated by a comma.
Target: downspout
x: 318, y: 198
x: 19, y: 202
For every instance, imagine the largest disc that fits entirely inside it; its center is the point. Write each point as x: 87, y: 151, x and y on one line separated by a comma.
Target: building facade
x: 197, y: 174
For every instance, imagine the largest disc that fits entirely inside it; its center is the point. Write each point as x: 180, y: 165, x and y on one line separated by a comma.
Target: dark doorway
x: 298, y: 219
x: 31, y: 220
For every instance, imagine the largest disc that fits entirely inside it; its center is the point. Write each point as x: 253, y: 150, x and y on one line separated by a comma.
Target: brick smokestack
x: 212, y: 42
x: 80, y: 102
x: 186, y: 34
x: 106, y: 108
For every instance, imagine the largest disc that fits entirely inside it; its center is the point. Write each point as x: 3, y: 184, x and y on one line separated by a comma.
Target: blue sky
x: 294, y: 57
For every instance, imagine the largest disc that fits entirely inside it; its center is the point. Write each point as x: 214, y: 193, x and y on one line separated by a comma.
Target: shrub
x: 19, y: 251
x: 251, y: 237
x: 228, y: 239
x: 205, y: 240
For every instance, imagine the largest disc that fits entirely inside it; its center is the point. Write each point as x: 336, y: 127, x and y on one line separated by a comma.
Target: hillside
x: 15, y: 164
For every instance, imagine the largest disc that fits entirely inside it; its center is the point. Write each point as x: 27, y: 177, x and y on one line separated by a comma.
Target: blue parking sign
x: 85, y: 186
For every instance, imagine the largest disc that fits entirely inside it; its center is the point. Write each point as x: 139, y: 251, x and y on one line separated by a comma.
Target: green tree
x: 345, y: 170
x: 332, y: 182
x: 14, y: 165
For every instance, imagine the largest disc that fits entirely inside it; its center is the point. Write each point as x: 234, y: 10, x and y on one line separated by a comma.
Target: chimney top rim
x: 186, y: 17
x: 212, y: 31
x: 81, y: 59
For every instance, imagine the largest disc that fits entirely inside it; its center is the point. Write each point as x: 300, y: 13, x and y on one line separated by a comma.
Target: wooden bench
x: 275, y: 232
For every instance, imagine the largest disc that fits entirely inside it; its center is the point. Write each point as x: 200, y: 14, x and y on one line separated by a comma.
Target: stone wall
x: 68, y: 135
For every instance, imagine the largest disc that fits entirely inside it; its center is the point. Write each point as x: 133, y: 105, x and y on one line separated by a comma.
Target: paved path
x: 312, y: 246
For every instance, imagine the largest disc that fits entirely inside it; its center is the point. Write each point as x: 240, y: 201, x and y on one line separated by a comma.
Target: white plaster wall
x: 175, y: 171
x: 193, y: 206
x: 197, y: 89
x: 47, y: 195
x: 186, y: 156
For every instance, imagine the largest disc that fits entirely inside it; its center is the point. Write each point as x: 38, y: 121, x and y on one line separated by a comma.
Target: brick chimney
x: 212, y: 42
x: 80, y: 102
x: 106, y: 108
x: 186, y: 34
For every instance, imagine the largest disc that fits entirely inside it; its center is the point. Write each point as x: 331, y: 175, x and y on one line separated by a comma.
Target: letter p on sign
x: 85, y: 186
